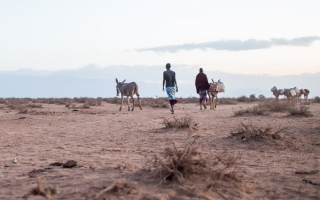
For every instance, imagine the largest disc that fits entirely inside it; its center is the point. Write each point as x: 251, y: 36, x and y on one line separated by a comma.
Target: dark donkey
x: 128, y: 90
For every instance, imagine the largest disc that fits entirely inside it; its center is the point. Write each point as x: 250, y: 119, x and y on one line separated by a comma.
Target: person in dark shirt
x: 170, y: 83
x: 202, y: 85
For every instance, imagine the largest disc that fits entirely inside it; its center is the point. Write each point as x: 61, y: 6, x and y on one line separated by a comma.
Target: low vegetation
x: 301, y: 111
x: 42, y: 190
x: 256, y: 110
x: 180, y: 122
x: 276, y: 106
x: 178, y: 164
x: 249, y: 132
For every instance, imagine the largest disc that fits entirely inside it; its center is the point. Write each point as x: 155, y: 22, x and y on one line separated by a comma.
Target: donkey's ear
x: 117, y: 80
x: 123, y: 80
x: 212, y: 80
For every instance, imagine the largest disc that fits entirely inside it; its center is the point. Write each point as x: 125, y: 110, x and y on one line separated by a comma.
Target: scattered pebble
x: 70, y: 164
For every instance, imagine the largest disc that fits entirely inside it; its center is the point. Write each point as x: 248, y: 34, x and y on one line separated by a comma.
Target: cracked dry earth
x: 111, y: 147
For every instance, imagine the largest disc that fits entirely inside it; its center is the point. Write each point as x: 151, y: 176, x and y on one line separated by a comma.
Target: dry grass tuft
x: 316, y: 99
x: 182, y: 122
x: 254, y: 111
x: 302, y: 111
x: 118, y: 187
x: 41, y: 190
x: 242, y: 112
x: 248, y: 132
x: 227, y: 101
x: 178, y: 164
x: 276, y: 106
x: 22, y: 105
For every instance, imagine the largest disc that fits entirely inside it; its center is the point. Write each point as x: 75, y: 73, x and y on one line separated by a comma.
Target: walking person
x: 202, y: 85
x: 170, y: 82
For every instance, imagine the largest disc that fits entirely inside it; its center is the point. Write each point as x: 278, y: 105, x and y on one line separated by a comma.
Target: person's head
x: 168, y: 66
x: 201, y: 70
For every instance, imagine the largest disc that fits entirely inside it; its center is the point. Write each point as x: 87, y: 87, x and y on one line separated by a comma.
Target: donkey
x: 305, y: 93
x: 128, y: 90
x: 277, y: 92
x: 215, y: 88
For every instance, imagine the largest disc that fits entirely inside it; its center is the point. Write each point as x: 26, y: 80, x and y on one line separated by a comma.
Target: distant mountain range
x: 94, y: 81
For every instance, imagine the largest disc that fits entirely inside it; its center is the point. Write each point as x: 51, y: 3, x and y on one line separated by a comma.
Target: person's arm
x: 163, y: 82
x: 195, y: 83
x: 175, y: 82
x: 207, y: 82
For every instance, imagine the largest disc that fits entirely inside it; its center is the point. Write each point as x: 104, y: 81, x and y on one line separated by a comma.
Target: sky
x: 275, y: 37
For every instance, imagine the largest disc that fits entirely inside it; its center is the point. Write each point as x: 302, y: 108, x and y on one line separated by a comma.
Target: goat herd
x: 292, y: 94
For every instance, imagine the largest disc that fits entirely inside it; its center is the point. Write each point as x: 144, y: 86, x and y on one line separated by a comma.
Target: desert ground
x: 115, y: 153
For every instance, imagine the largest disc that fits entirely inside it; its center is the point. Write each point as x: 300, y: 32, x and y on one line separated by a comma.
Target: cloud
x: 236, y: 45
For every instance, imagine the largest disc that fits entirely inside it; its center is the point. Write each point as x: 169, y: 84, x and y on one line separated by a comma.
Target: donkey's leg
x: 215, y: 105
x: 139, y: 100
x: 121, y: 102
x: 132, y: 102
x: 128, y: 102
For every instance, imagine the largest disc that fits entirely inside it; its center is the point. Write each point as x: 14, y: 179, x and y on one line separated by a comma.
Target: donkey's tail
x: 136, y: 90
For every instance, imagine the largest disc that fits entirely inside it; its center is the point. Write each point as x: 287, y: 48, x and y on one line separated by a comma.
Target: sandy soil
x: 111, y: 147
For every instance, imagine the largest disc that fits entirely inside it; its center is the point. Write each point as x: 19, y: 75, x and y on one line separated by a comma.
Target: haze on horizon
x: 275, y: 37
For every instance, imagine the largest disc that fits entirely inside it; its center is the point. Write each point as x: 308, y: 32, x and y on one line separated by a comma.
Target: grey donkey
x: 128, y: 90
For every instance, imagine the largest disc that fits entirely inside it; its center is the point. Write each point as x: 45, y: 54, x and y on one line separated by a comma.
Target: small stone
x: 70, y: 164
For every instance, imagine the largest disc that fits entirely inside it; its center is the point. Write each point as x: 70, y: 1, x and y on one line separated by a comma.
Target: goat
x: 215, y: 88
x: 128, y: 90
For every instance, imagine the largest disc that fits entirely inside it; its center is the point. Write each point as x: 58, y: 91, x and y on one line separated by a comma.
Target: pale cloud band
x: 236, y: 45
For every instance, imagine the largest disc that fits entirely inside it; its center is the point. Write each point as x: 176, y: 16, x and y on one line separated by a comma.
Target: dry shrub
x: 11, y: 102
x: 189, y: 100
x: 21, y: 108
x: 302, y: 111
x: 248, y: 132
x: 177, y: 164
x: 276, y: 106
x: 316, y: 99
x: 256, y: 110
x: 86, y: 105
x: 306, y: 103
x: 69, y: 103
x: 119, y: 187
x: 2, y: 101
x: 22, y: 105
x: 41, y: 190
x: 242, y: 112
x: 227, y: 101
x: 242, y: 99
x: 160, y: 102
x: 91, y: 102
x: 182, y: 122
x: 35, y: 105
x: 99, y: 101
x: 113, y: 100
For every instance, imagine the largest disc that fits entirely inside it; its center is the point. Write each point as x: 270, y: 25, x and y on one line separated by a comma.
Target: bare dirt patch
x: 111, y: 149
